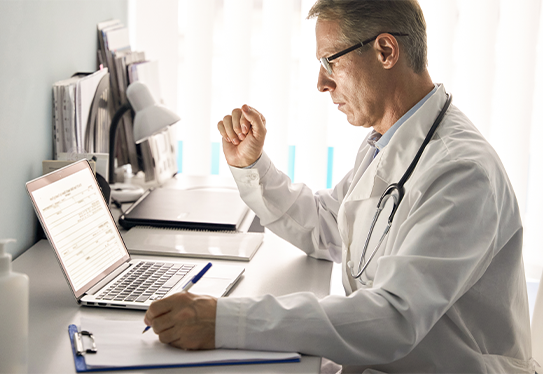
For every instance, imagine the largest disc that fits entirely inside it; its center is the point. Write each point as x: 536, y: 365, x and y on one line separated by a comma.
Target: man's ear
x: 388, y: 50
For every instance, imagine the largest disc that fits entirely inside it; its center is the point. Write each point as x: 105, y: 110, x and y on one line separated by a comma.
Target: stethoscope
x: 398, y: 196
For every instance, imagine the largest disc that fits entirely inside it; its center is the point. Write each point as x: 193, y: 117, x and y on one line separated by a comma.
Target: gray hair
x: 363, y: 19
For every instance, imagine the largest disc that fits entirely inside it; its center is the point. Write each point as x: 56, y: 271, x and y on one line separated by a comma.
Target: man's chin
x: 356, y: 123
x: 352, y: 120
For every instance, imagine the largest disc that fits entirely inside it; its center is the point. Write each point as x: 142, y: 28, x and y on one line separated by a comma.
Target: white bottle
x: 13, y: 316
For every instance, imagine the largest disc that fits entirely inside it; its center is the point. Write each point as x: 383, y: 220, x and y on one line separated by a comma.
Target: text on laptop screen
x: 81, y: 229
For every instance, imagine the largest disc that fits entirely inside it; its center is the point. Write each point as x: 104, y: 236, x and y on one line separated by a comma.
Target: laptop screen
x: 78, y: 224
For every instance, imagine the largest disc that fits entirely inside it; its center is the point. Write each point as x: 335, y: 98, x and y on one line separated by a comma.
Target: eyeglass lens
x: 326, y: 65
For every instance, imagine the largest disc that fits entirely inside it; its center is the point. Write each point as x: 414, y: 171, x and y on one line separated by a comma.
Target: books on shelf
x: 157, y: 156
x: 84, y: 105
x: 112, y: 39
x: 75, y: 101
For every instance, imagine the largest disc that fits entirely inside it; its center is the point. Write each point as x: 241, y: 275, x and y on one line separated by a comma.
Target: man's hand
x: 243, y: 136
x: 184, y: 320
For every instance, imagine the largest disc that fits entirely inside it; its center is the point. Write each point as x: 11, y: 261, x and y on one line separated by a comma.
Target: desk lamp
x: 150, y: 119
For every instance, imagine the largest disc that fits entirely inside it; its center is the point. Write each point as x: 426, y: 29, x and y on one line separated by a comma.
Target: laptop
x: 93, y: 256
x: 194, y: 209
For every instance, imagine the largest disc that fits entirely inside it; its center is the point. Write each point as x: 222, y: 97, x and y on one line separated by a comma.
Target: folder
x: 101, y: 344
x: 193, y: 209
x: 224, y: 245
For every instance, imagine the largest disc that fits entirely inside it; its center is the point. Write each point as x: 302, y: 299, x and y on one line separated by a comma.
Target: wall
x: 154, y: 30
x: 41, y: 42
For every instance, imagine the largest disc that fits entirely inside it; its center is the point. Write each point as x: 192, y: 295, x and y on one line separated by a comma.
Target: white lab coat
x: 446, y: 292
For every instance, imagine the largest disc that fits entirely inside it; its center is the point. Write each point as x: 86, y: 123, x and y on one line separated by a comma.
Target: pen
x: 190, y: 283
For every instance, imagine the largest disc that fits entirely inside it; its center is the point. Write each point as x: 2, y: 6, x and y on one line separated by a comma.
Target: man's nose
x: 325, y: 82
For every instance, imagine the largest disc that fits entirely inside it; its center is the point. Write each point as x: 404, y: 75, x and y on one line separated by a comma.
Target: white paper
x: 164, y: 152
x: 147, y: 72
x: 86, y: 89
x: 121, y: 344
x: 117, y: 38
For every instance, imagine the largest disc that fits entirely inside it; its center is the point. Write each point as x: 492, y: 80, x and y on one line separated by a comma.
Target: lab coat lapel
x: 392, y: 162
x: 372, y: 176
x: 404, y: 145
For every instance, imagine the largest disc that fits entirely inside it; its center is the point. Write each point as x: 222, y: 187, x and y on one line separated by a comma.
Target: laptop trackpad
x: 215, y: 287
x: 218, y: 281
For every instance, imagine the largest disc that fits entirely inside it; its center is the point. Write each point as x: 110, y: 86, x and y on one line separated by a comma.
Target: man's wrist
x: 248, y: 166
x: 254, y: 163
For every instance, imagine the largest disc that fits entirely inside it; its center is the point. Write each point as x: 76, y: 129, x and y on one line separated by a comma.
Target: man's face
x: 354, y: 83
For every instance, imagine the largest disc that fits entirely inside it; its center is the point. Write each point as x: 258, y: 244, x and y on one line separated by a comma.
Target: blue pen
x: 190, y: 283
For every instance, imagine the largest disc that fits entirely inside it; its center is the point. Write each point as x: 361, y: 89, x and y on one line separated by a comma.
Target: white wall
x: 153, y: 29
x: 41, y: 42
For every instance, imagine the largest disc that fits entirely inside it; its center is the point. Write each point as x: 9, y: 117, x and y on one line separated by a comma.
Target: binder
x: 100, y: 345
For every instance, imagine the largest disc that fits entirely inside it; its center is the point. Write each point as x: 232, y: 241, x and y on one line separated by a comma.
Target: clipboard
x: 120, y: 350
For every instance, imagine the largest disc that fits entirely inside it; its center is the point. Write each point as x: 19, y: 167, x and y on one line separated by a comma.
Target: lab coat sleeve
x: 291, y: 210
x: 445, y: 241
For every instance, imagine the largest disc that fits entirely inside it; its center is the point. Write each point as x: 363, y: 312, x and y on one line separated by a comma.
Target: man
x: 445, y: 290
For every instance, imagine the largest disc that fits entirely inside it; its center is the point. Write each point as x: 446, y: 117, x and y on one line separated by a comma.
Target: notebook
x: 226, y: 245
x: 196, y: 209
x: 92, y: 254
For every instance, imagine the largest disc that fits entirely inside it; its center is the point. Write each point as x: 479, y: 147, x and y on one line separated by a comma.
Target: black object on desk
x: 196, y: 209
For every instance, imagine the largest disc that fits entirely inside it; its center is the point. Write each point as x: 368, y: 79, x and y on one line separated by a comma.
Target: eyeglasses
x: 325, y: 61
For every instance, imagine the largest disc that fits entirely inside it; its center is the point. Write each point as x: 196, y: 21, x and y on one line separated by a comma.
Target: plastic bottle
x: 13, y: 316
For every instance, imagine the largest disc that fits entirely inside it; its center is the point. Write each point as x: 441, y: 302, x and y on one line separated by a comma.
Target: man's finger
x: 245, y: 125
x: 163, y: 323
x: 156, y: 309
x: 236, y: 116
x: 220, y: 127
x: 229, y: 129
x: 257, y: 121
x: 168, y: 336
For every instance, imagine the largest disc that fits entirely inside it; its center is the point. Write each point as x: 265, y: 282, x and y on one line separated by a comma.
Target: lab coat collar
x: 390, y: 164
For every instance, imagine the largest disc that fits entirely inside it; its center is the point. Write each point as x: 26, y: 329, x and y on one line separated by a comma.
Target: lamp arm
x: 112, y: 134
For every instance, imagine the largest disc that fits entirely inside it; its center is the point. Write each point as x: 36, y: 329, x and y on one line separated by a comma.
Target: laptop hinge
x: 98, y: 286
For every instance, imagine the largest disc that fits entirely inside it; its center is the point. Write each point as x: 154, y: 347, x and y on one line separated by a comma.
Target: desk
x: 278, y: 268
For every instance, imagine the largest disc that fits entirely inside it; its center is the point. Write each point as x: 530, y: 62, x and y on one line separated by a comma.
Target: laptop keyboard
x: 146, y: 281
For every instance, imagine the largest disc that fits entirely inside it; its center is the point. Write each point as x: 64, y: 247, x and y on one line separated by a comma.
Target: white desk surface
x: 278, y: 268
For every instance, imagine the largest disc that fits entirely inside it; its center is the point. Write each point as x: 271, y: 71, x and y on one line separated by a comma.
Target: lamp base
x: 125, y: 193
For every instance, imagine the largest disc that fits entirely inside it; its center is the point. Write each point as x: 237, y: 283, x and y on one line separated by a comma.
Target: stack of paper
x: 84, y: 105
x: 158, y: 154
x: 73, y: 101
x: 113, y: 40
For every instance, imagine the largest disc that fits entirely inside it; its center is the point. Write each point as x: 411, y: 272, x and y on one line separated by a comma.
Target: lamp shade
x: 150, y: 117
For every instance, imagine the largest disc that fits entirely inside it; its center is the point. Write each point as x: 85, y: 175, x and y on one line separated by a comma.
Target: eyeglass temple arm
x: 361, y: 44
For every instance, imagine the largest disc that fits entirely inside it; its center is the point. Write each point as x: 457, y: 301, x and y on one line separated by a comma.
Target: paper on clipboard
x: 120, y: 344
